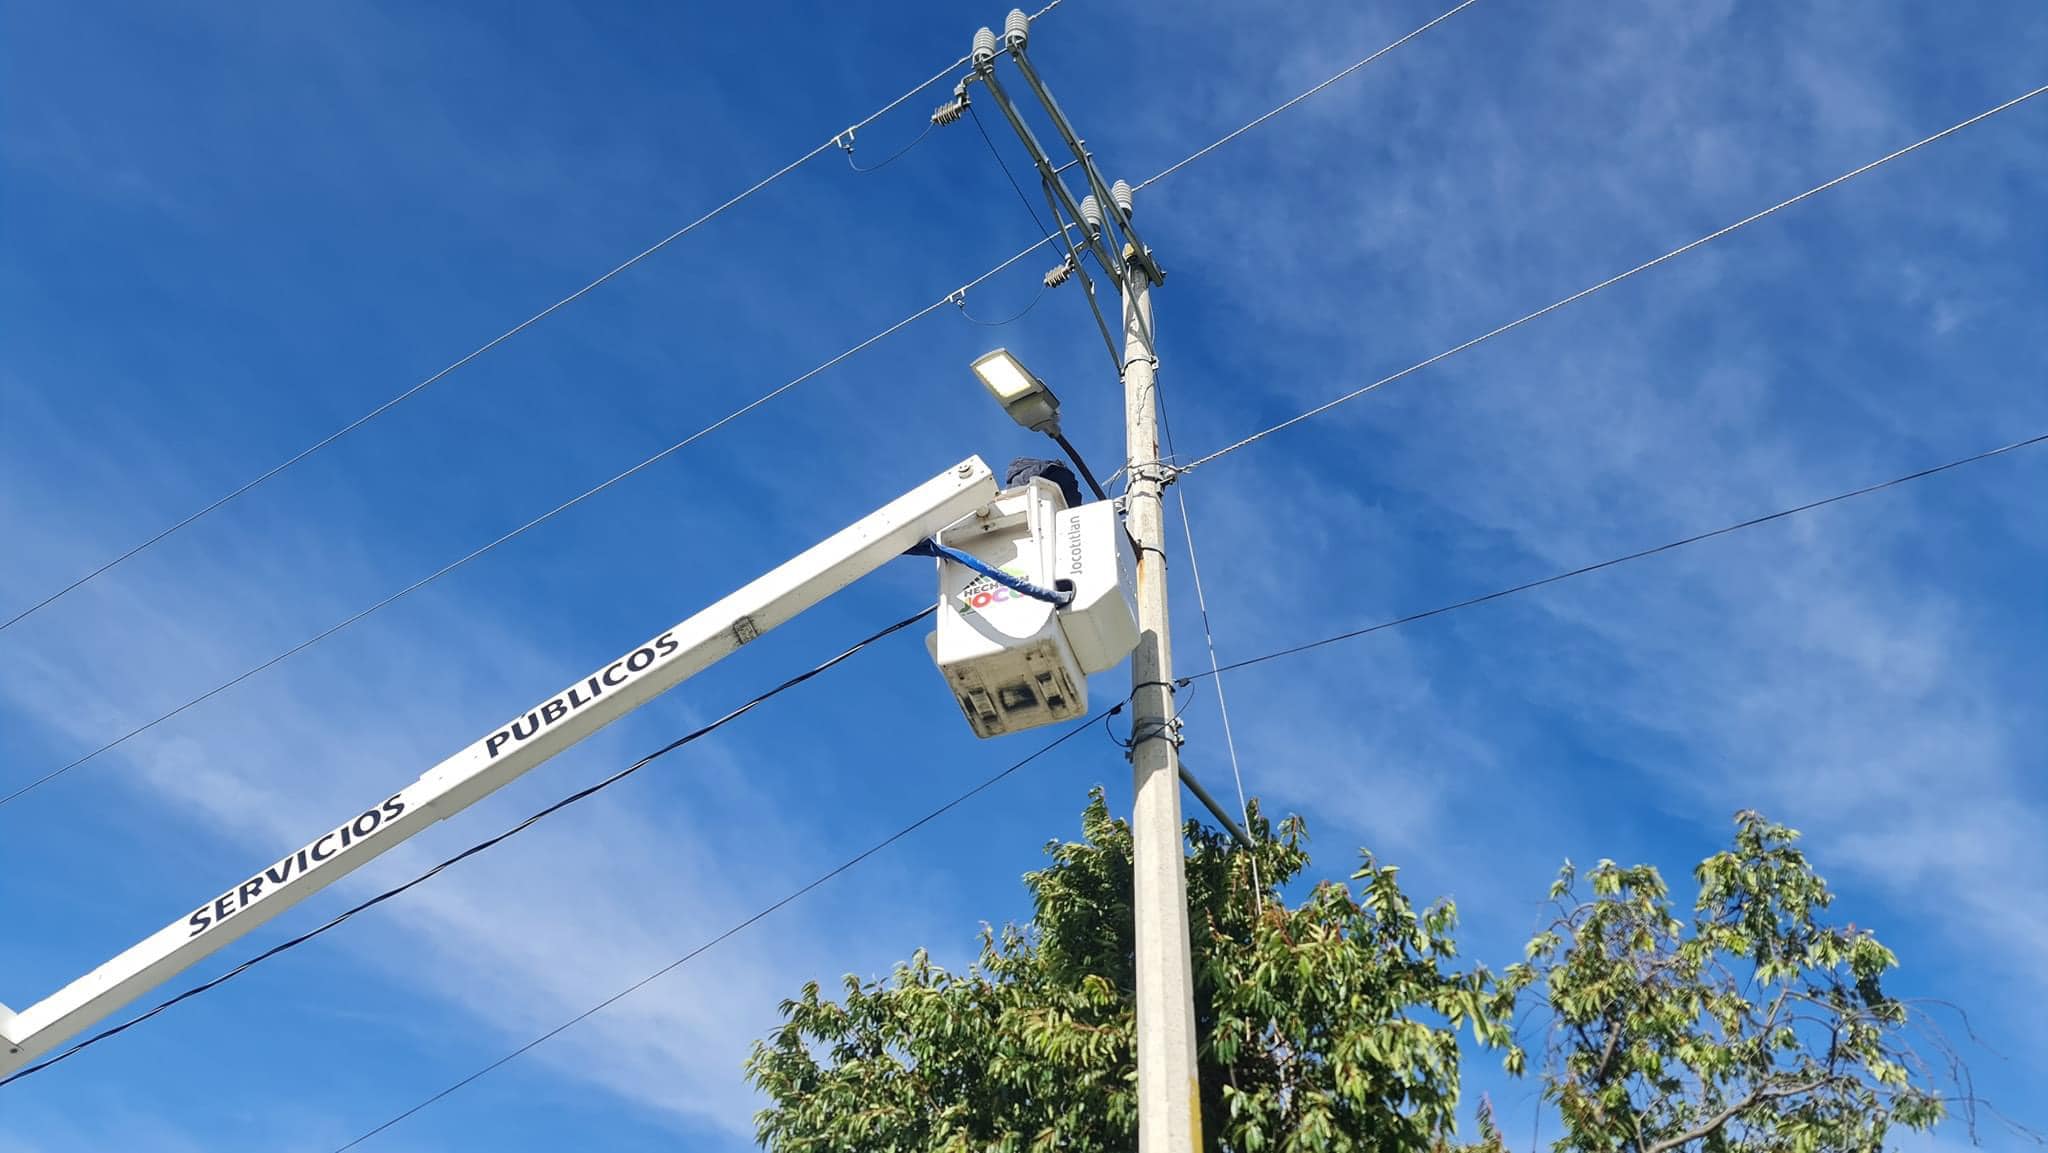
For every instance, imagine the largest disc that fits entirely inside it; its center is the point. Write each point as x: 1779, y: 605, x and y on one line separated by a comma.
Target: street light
x: 1025, y: 397
x: 1030, y: 403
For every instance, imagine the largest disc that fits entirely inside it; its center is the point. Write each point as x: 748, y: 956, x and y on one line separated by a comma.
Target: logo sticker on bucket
x: 982, y: 592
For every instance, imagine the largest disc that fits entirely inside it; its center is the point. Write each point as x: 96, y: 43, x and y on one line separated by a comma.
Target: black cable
x: 1013, y: 318
x: 473, y: 850
x: 1007, y: 174
x: 1072, y: 731
x: 1087, y: 285
x: 1118, y: 741
x: 1021, y: 199
x: 1074, y: 455
x: 892, y: 157
x: 1079, y: 464
x: 1624, y: 559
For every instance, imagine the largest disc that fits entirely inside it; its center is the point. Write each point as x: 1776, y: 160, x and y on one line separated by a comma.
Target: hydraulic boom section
x: 507, y: 751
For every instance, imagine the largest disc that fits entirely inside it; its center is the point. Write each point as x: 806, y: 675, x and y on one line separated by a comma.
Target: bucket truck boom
x: 503, y: 754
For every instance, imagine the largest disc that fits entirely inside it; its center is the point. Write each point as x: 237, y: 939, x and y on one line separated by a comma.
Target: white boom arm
x: 508, y: 751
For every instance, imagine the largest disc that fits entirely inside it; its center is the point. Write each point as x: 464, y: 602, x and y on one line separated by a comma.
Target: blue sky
x: 227, y: 234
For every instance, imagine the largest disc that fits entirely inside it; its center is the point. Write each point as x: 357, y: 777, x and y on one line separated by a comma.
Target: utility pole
x: 1169, y: 1091
x: 1098, y: 225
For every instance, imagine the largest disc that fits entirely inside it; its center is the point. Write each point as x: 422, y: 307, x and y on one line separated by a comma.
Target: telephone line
x: 495, y: 341
x: 1187, y: 526
x: 957, y: 297
x: 820, y: 880
x: 473, y: 850
x: 543, y: 518
x: 1610, y: 281
x: 1290, y: 102
x: 1625, y: 558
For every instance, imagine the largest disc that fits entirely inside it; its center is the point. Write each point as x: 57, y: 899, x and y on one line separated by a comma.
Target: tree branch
x: 1755, y: 1097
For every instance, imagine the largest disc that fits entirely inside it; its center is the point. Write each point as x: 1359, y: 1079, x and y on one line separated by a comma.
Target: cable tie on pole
x: 1162, y: 471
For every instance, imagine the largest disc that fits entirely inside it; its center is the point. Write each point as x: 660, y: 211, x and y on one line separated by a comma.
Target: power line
x: 845, y: 143
x: 1611, y: 562
x: 473, y: 850
x: 1216, y: 670
x: 1007, y: 174
x: 1044, y: 284
x: 1013, y: 318
x: 487, y: 346
x: 1187, y: 526
x: 1073, y: 255
x: 1072, y: 731
x: 955, y: 802
x: 528, y: 526
x: 1284, y: 105
x: 954, y: 297
x: 1610, y: 281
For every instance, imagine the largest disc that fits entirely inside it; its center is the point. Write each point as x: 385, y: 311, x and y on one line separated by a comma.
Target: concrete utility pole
x: 1099, y: 225
x: 1169, y: 1092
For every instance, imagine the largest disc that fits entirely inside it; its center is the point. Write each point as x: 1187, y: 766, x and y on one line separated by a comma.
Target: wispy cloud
x: 518, y: 941
x: 1824, y: 670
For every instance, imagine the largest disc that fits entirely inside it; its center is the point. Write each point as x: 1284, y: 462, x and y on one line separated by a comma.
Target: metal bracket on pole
x: 1216, y: 810
x: 1104, y: 195
x: 1159, y: 470
x: 1105, y: 254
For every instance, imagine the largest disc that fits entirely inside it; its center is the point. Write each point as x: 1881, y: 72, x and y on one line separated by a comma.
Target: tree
x: 1754, y: 1027
x: 1334, y: 1024
x: 1330, y: 1025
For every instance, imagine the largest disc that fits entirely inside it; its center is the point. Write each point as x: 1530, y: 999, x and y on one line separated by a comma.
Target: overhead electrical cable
x: 1625, y: 558
x: 1187, y: 527
x: 23, y: 789
x: 473, y: 850
x: 1216, y: 671
x: 845, y: 143
x: 1073, y: 730
x: 954, y: 297
x: 845, y: 136
x: 1026, y: 202
x: 1007, y: 174
x: 1612, y: 280
x: 1284, y: 105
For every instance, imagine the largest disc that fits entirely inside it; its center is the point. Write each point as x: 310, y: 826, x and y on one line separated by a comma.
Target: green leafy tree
x: 1328, y: 1025
x: 1752, y: 1025
x: 1334, y: 1023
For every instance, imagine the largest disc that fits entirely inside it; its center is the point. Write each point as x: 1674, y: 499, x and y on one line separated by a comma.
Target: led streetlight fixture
x: 1025, y: 397
x: 1030, y: 403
